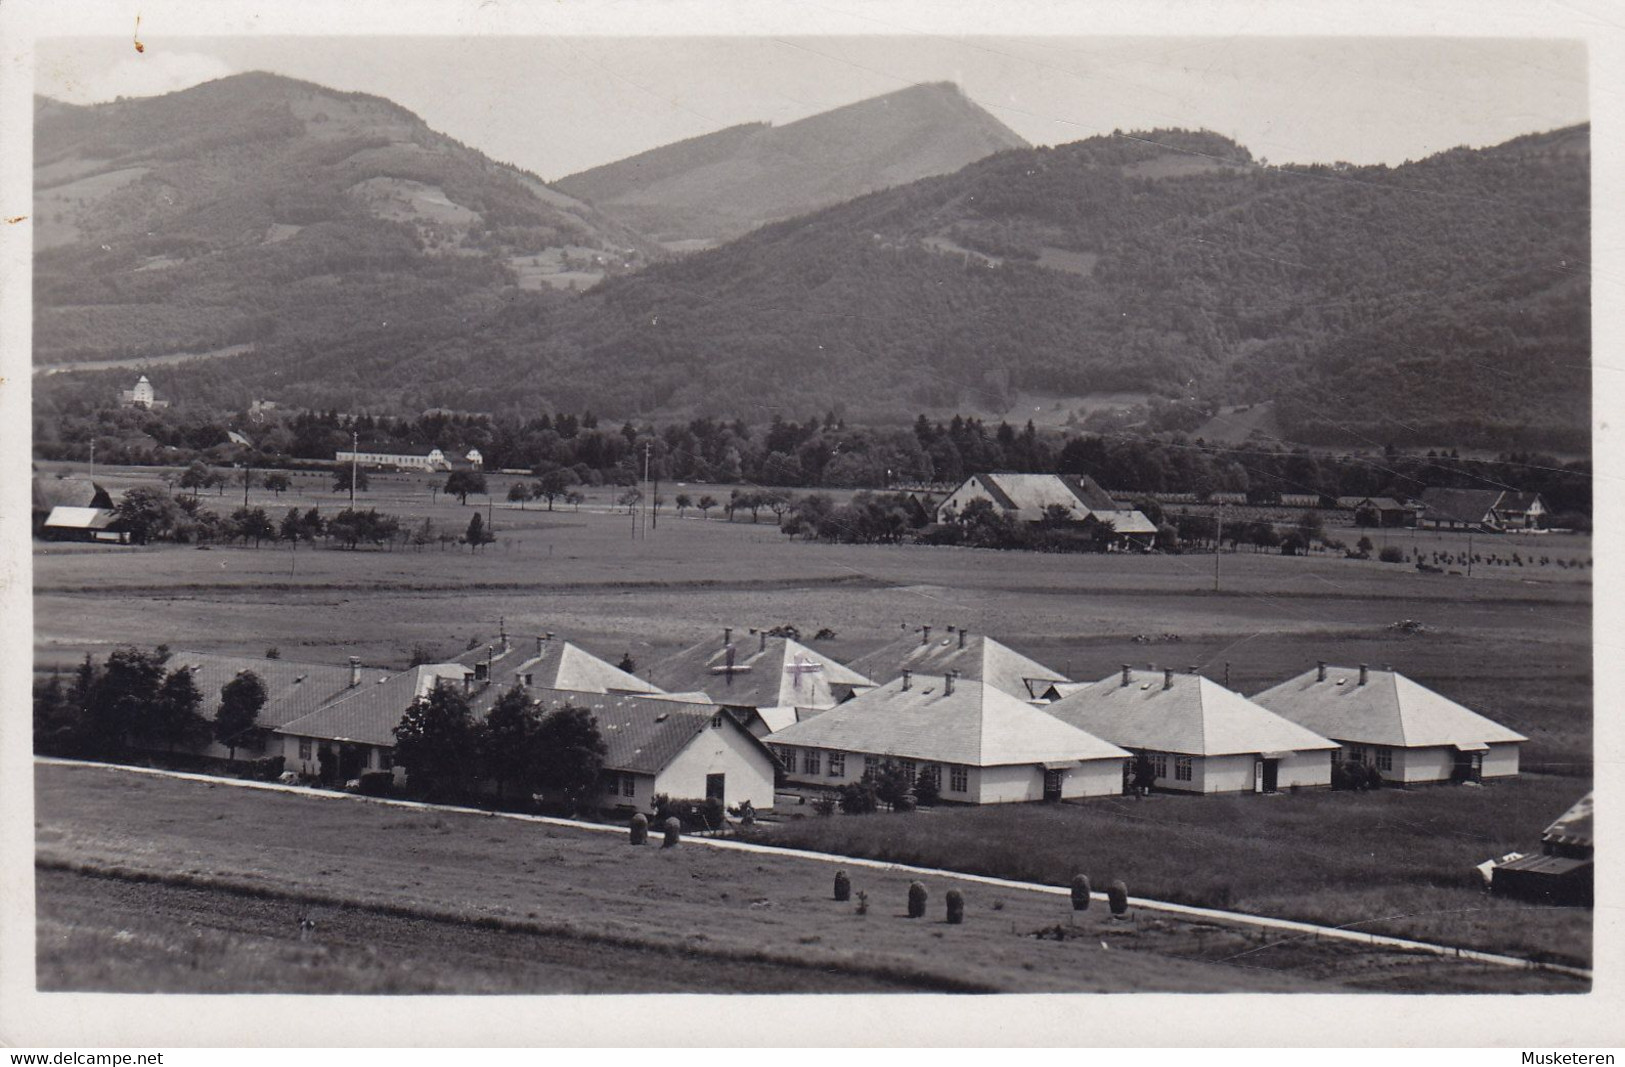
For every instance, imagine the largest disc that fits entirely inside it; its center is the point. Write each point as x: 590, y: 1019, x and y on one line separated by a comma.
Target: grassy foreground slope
x: 352, y: 864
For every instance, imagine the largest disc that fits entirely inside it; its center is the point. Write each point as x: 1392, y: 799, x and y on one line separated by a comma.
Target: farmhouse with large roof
x: 1028, y: 498
x: 1494, y: 510
x: 1198, y: 736
x: 1383, y: 719
x: 980, y: 744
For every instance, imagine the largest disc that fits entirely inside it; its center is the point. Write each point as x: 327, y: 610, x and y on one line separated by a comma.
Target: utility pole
x: 248, y: 476
x: 93, y: 460
x: 355, y: 461
x: 1218, y: 547
x: 1469, y: 553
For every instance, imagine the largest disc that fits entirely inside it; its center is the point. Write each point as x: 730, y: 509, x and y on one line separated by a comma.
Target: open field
x: 1514, y: 647
x: 1391, y: 861
x: 160, y: 884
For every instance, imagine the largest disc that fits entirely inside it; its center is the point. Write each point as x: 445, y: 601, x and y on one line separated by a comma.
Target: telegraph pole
x: 93, y: 460
x: 355, y: 460
x: 1218, y: 547
x: 647, y: 445
x: 1469, y: 554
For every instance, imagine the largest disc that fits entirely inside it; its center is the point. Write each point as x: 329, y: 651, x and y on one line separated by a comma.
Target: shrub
x: 825, y: 804
x: 1080, y: 892
x: 863, y: 903
x: 916, y: 900
x: 674, y: 833
x: 926, y: 791
x: 1391, y: 554
x: 956, y: 907
x: 266, y: 769
x: 843, y: 886
x: 640, y: 828
x: 377, y: 783
x: 858, y: 798
x: 692, y: 813
x: 1117, y: 894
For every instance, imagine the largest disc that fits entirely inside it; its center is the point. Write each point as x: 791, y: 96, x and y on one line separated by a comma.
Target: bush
x: 916, y: 900
x: 266, y: 769
x: 1391, y: 554
x: 692, y: 813
x: 640, y: 828
x: 377, y: 783
x: 674, y: 833
x: 926, y: 791
x: 858, y: 798
x: 824, y: 804
x: 1080, y: 892
x: 956, y: 907
x: 1117, y: 894
x: 843, y: 886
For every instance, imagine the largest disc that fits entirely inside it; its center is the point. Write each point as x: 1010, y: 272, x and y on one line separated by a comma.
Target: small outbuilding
x: 1563, y: 871
x: 84, y: 524
x: 1189, y: 734
x: 978, y: 743
x: 1408, y: 732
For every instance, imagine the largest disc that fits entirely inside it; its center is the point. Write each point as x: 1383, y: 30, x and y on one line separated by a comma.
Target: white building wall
x: 1305, y: 769
x: 724, y: 750
x: 1007, y: 785
x: 1432, y: 764
x: 1501, y: 761
x: 1218, y: 774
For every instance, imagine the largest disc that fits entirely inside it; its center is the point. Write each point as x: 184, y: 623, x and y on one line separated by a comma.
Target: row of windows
x: 386, y: 758
x: 813, y: 761
x: 624, y: 785
x: 1383, y: 758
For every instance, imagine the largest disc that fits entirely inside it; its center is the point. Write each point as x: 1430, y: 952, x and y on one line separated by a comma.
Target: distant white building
x: 412, y: 459
x: 1028, y: 498
x: 142, y: 396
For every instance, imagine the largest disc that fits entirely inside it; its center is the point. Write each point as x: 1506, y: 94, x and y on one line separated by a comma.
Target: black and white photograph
x: 601, y: 500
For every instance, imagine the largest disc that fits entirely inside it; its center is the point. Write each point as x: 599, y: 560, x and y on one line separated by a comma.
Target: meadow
x: 154, y: 884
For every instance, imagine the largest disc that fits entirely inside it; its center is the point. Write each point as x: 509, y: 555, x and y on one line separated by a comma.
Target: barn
x: 971, y: 656
x: 980, y: 744
x: 1029, y: 498
x: 84, y: 524
x: 1196, y: 736
x: 1408, y: 732
x: 766, y: 682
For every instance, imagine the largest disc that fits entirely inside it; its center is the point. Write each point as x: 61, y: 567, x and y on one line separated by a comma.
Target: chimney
x: 727, y: 636
x: 1167, y: 677
x: 1128, y: 675
x: 519, y: 679
x: 1227, y: 674
x: 961, y: 637
x: 355, y: 671
x: 539, y: 642
x: 1193, y: 668
x: 763, y: 646
x: 1364, y: 672
x: 468, y: 681
x: 925, y: 635
x: 948, y: 683
x: 1320, y: 673
x: 908, y: 678
x: 502, y: 631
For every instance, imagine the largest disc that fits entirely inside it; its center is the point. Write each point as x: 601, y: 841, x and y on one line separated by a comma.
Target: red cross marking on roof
x: 800, y: 667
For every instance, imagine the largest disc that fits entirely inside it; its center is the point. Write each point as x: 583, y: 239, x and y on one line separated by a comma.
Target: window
x: 809, y: 761
x: 629, y: 786
x: 612, y: 784
x: 304, y: 748
x: 933, y: 771
x: 871, y: 766
x: 1182, y: 769
x: 1385, y: 759
x: 716, y: 721
x: 1159, y: 764
x: 787, y: 756
x: 909, y: 768
x: 959, y: 779
x: 837, y: 764
x: 386, y: 760
x: 1354, y: 754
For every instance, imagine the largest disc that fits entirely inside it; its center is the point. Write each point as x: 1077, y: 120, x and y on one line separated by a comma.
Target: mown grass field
x: 1391, y: 861
x: 153, y: 884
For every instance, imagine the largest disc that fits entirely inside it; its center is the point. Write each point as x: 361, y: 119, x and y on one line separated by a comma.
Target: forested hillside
x: 1442, y: 302
x: 261, y: 209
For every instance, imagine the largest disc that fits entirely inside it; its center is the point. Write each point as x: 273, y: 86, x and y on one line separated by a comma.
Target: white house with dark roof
x: 973, y: 656
x: 767, y: 682
x: 1198, y: 736
x: 358, y: 729
x: 1494, y: 510
x: 982, y: 745
x: 1408, y: 732
x: 419, y: 458
x: 685, y: 750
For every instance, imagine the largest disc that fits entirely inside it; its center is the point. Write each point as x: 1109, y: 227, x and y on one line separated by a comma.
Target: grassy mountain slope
x: 723, y: 184
x: 261, y: 209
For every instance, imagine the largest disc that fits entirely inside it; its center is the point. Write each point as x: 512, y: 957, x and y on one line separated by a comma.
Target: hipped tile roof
x: 1389, y: 710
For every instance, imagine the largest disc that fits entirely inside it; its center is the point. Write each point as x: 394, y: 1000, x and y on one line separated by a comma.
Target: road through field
x: 1297, y: 931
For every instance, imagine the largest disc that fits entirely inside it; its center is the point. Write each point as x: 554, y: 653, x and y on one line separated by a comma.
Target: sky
x: 558, y: 104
